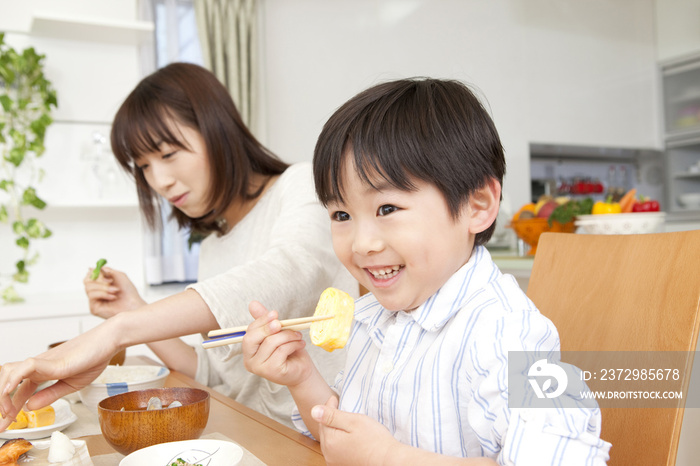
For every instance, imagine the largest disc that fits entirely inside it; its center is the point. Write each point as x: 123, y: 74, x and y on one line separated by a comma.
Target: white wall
x: 677, y: 28
x: 91, y: 78
x: 551, y: 71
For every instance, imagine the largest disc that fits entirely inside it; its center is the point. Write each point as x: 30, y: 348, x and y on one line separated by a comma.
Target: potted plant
x: 26, y: 99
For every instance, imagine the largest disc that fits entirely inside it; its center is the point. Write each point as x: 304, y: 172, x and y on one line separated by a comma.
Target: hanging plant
x: 26, y: 99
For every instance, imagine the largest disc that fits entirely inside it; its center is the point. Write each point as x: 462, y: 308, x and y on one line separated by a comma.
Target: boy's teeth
x: 387, y: 272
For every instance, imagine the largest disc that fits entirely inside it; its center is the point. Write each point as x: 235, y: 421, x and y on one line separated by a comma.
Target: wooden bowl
x: 135, y: 427
x: 530, y: 229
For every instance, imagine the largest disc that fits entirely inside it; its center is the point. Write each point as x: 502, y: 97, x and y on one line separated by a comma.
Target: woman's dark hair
x: 432, y: 130
x: 191, y: 96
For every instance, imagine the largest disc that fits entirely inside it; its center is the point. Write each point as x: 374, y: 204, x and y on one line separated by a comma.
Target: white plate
x: 39, y: 455
x: 64, y: 418
x: 203, y: 451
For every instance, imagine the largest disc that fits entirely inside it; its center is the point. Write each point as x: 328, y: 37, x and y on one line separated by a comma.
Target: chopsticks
x: 233, y: 335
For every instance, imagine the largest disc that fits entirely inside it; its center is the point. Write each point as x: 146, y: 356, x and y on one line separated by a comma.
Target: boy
x: 411, y: 172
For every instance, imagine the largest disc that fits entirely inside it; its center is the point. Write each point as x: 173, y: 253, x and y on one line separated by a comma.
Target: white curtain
x: 228, y: 38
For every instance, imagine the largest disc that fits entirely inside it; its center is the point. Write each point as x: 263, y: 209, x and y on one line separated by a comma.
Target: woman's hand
x: 276, y: 355
x: 111, y: 293
x: 69, y: 363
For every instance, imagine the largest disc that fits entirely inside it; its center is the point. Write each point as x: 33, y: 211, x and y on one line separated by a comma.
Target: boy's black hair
x: 432, y: 130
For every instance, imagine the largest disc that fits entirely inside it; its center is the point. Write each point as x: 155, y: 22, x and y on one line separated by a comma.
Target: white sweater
x: 280, y: 254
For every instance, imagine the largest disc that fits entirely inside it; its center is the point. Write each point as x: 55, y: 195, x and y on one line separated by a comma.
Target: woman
x: 179, y: 134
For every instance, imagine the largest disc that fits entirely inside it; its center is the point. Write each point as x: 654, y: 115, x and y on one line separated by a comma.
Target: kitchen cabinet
x: 681, y: 122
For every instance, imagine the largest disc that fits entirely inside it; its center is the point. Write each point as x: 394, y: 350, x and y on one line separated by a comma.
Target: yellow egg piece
x: 41, y: 417
x: 20, y: 421
x: 333, y: 333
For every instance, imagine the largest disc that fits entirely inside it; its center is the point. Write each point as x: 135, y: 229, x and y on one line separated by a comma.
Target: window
x: 176, y: 32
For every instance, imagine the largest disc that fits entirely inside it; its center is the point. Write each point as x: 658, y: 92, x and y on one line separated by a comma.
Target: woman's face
x: 181, y: 176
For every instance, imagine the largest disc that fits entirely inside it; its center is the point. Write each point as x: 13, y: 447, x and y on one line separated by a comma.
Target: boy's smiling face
x: 401, y: 245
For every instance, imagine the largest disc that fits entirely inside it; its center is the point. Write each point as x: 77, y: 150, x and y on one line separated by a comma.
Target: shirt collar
x: 443, y: 305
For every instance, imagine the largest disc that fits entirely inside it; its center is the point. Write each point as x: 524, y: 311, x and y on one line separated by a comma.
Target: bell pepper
x: 645, y: 204
x: 606, y: 207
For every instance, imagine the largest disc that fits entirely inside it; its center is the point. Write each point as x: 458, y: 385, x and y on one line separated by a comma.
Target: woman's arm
x: 113, y: 293
x: 79, y: 361
x: 177, y: 355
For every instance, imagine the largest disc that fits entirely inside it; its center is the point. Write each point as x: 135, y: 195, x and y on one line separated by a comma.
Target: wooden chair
x: 625, y: 293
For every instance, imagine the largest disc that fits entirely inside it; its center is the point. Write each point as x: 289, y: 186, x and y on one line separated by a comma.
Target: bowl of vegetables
x: 631, y: 215
x: 547, y: 215
x: 621, y: 224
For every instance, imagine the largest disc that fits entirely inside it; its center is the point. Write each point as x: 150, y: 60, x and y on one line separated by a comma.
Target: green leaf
x: 29, y: 197
x: 16, y: 156
x: 4, y: 217
x: 5, y: 184
x: 20, y: 266
x: 21, y: 276
x: 9, y: 295
x: 33, y: 260
x: 23, y: 242
x: 7, y: 75
x: 18, y: 227
x: 6, y: 102
x: 36, y: 229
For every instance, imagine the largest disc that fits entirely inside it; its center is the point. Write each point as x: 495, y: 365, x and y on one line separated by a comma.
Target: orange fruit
x: 526, y: 208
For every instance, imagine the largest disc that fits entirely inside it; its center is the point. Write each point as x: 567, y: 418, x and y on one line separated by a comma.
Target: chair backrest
x: 624, y: 293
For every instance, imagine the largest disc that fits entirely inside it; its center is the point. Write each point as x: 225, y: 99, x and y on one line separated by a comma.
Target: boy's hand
x: 278, y: 356
x: 111, y: 293
x: 349, y: 438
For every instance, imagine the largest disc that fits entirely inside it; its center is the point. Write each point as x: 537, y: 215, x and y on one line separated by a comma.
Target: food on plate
x: 627, y: 201
x: 20, y: 421
x: 31, y: 419
x: 333, y: 333
x: 41, y: 417
x: 606, y: 207
x: 181, y: 462
x: 11, y: 450
x: 98, y: 267
x: 61, y: 448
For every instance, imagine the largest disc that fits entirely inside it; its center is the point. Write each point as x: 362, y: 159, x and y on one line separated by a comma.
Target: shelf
x: 91, y: 29
x: 683, y: 215
x: 683, y: 138
x: 693, y: 96
x: 588, y: 153
x: 687, y: 176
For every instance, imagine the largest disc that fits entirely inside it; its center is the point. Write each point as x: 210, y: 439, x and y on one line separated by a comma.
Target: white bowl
x: 205, y: 451
x: 690, y: 200
x: 121, y: 379
x: 621, y: 224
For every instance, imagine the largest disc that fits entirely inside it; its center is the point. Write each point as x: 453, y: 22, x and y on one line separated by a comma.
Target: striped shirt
x: 437, y: 377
